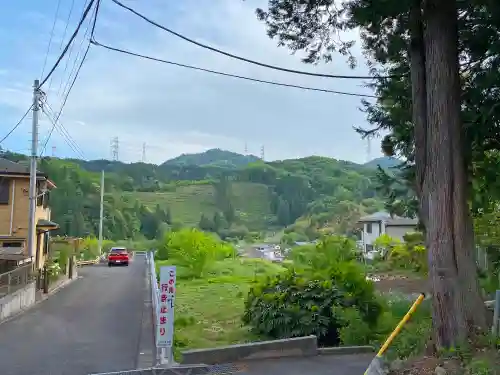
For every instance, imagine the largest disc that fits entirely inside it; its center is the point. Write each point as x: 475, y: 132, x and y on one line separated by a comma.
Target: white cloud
x: 176, y: 110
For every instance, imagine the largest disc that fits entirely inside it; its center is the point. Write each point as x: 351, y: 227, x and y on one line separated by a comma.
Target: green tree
x: 392, y: 32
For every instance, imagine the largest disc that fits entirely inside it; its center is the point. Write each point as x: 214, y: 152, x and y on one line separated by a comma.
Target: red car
x: 118, y: 256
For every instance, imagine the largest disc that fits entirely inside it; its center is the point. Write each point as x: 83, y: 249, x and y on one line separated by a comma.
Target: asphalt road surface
x: 92, y: 325
x: 355, y: 364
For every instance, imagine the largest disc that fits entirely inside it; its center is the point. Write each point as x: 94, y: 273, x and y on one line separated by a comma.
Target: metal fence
x: 155, y: 297
x: 15, y: 279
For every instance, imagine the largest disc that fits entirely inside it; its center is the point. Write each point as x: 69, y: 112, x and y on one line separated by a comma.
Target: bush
x: 329, y: 252
x: 296, y: 304
x: 193, y: 250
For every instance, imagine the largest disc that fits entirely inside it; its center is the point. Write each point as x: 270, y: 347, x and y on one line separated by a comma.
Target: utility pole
x: 101, y: 215
x: 33, y: 166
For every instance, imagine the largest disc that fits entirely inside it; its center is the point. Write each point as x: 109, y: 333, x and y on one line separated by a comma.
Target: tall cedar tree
x: 441, y: 176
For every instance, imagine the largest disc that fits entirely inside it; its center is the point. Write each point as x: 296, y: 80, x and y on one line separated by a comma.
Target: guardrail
x: 155, y: 297
x: 16, y: 279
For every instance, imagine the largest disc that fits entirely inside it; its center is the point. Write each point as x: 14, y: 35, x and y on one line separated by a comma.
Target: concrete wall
x: 377, y: 228
x: 398, y: 231
x: 16, y: 302
x: 295, y: 347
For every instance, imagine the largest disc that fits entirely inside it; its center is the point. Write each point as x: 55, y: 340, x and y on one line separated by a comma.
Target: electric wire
x: 51, y: 37
x: 91, y: 23
x: 274, y: 83
x: 75, y: 33
x: 63, y: 128
x: 17, y: 125
x: 63, y: 132
x: 66, y: 65
x: 231, y: 55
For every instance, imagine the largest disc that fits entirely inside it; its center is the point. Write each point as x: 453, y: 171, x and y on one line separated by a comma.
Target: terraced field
x: 187, y: 203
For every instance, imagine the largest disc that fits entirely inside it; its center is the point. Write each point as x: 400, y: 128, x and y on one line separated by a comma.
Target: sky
x: 172, y: 110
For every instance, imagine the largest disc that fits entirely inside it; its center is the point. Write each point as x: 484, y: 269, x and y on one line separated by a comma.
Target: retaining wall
x: 295, y: 347
x: 18, y: 301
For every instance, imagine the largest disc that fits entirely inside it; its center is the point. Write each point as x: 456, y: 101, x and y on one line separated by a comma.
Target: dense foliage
x: 312, y: 297
x: 235, y: 201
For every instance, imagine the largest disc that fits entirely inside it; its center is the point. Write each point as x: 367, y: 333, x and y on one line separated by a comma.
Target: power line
x: 92, y: 22
x: 70, y: 51
x: 187, y: 39
x: 61, y: 129
x: 51, y: 36
x: 63, y: 37
x: 93, y: 41
x: 65, y: 137
x: 84, y: 16
x: 17, y: 125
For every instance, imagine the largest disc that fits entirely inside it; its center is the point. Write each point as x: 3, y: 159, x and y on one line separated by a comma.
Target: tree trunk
x: 463, y: 228
x: 443, y: 118
x: 419, y: 106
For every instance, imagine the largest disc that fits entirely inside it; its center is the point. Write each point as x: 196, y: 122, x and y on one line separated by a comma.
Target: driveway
x: 92, y: 325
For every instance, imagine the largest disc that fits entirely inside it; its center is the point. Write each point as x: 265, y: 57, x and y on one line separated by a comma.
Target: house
x: 383, y: 223
x: 14, y: 217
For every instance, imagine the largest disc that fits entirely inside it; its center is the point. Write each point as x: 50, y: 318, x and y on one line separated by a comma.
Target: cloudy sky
x: 172, y: 110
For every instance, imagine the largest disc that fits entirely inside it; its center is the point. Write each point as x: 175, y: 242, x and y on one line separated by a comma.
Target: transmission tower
x: 144, y: 152
x: 115, y: 145
x: 54, y: 151
x: 262, y: 152
x: 246, y: 148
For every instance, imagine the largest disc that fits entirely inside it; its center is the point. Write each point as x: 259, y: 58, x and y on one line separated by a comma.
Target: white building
x: 383, y: 223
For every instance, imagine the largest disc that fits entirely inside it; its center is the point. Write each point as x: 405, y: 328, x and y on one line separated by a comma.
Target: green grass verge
x: 208, y: 310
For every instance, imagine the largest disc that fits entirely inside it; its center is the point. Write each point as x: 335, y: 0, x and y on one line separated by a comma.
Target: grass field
x: 208, y: 311
x: 187, y: 203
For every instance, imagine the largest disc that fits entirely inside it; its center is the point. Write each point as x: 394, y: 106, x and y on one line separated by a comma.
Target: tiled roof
x: 11, y: 167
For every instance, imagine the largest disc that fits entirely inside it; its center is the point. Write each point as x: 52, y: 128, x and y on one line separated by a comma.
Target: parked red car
x: 118, y: 256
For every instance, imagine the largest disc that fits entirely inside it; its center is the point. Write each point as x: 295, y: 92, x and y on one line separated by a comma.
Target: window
x: 368, y: 248
x: 368, y: 227
x: 46, y: 242
x: 4, y: 190
x: 13, y: 244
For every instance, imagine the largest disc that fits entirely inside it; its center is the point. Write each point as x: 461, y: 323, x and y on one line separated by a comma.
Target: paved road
x: 92, y: 325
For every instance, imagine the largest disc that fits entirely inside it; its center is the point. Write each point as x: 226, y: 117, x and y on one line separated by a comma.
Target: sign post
x: 165, y: 323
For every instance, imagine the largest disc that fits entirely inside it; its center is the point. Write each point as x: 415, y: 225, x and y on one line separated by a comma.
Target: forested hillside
x: 315, y: 193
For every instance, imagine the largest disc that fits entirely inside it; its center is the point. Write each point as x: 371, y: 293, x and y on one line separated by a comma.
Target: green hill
x: 187, y: 203
x: 213, y: 156
x: 317, y: 193
x: 385, y: 162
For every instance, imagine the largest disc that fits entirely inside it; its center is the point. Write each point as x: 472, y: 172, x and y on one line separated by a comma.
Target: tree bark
x: 419, y: 106
x: 443, y: 118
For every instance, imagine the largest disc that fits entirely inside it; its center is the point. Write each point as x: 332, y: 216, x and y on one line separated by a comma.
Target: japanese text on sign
x: 165, y: 323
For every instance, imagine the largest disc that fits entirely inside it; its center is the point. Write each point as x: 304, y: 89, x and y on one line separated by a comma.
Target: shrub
x: 295, y: 304
x: 328, y: 253
x: 193, y: 250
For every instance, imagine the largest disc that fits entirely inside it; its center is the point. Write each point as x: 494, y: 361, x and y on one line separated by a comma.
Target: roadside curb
x: 39, y: 300
x: 343, y: 350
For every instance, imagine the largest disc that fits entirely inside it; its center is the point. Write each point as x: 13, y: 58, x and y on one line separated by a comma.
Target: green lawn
x: 208, y: 311
x: 187, y: 203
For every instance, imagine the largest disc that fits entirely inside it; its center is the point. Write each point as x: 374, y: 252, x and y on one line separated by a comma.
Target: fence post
x: 495, y: 330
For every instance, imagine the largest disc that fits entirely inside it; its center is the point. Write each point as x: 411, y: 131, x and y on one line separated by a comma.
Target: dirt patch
x: 428, y: 365
x: 407, y: 284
